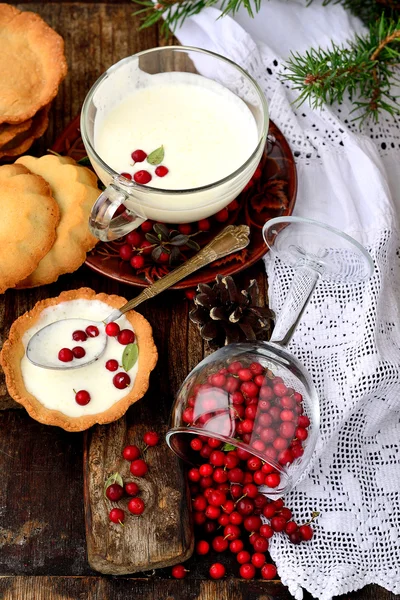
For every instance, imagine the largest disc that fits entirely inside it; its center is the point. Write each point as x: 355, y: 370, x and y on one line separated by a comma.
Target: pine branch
x: 365, y: 70
x: 174, y: 12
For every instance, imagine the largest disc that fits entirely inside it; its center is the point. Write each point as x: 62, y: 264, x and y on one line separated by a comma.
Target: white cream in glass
x: 213, y: 130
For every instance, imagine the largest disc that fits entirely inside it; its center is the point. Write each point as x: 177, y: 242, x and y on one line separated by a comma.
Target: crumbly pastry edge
x: 13, y: 351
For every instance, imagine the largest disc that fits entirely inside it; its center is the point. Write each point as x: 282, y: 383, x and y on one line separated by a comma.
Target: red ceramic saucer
x: 272, y: 193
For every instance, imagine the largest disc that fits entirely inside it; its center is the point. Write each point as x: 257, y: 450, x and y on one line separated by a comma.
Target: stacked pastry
x: 44, y: 229
x: 32, y: 66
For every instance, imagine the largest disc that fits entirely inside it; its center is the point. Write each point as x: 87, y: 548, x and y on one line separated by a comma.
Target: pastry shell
x: 13, y: 352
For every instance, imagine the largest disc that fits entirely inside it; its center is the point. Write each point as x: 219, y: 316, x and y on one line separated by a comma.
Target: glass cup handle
x: 101, y: 222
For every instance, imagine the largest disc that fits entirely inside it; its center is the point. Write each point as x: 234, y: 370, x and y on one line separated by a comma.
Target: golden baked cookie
x: 28, y: 224
x: 24, y: 140
x: 8, y: 132
x: 48, y: 395
x: 32, y: 64
x: 75, y: 190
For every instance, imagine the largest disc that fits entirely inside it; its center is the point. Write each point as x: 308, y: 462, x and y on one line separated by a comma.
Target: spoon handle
x: 231, y: 239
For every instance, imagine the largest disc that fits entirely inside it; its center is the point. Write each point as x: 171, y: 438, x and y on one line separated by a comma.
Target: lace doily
x: 349, y: 336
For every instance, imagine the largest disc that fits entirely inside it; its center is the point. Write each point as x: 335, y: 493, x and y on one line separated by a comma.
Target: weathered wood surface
x: 42, y: 535
x: 163, y: 535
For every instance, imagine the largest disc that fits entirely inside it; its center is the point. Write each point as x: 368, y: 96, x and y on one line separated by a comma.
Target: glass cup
x: 143, y: 201
x: 256, y: 397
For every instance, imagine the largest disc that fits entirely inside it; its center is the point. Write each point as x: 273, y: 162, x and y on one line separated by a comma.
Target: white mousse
x: 55, y: 389
x: 207, y: 131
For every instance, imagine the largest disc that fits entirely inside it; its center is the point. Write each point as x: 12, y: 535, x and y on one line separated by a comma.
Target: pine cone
x: 225, y: 315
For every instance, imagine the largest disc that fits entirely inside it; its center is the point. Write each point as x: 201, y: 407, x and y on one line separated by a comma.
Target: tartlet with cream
x: 49, y: 396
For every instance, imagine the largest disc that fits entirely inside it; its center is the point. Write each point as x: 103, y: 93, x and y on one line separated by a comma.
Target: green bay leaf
x: 130, y: 356
x: 156, y: 157
x: 228, y: 447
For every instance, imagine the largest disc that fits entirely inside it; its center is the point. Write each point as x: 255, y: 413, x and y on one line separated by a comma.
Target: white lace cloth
x: 349, y: 338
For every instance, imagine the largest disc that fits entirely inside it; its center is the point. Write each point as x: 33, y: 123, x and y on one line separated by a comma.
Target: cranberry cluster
x: 245, y: 402
x: 121, y: 380
x: 138, y: 467
x: 251, y: 405
x: 143, y: 177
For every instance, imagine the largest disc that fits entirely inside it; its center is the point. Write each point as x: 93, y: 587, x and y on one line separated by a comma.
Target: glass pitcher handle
x: 101, y: 222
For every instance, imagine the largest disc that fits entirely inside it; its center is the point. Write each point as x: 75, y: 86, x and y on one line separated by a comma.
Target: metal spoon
x: 231, y: 239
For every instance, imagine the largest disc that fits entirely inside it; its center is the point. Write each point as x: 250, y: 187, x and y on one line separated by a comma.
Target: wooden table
x: 42, y: 537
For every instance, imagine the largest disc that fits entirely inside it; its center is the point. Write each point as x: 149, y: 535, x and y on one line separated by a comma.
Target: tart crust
x: 13, y: 352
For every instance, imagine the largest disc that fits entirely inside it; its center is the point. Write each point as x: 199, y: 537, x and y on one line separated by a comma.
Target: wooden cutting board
x: 163, y: 535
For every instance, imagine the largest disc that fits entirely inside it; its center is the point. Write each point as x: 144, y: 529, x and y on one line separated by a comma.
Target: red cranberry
x: 112, y: 329
x: 138, y: 155
x: 287, y: 429
x: 269, y: 510
x: 247, y: 571
x: 297, y: 451
x: 206, y: 470
x: 288, y: 402
x: 235, y: 518
x: 280, y: 389
x: 268, y: 571
x: 220, y: 544
x: 125, y: 252
x: 295, y: 537
x: 266, y: 531
x: 131, y: 452
x: 266, y: 393
x: 217, y: 458
x: 235, y: 475
x: 249, y: 388
x: 252, y: 523
x: 131, y: 488
x: 254, y: 463
x: 78, y: 352
x: 126, y: 175
x: 79, y: 336
x: 136, y: 506
x: 199, y: 503
x: 223, y: 520
x: 303, y: 421
x: 134, y: 238
x: 194, y: 475
x: 151, y: 438
x: 117, y: 515
x: 212, y: 512
x: 245, y: 374
x: 217, y: 571
x: 92, y: 331
x: 261, y: 544
x: 65, y: 355
x: 199, y: 518
x: 178, y: 572
x: 306, y: 532
x: 161, y: 171
x: 114, y: 492
x: 121, y: 380
x: 258, y: 559
x: 138, y: 467
x: 112, y: 365
x: 126, y: 336
x: 243, y: 557
x: 291, y: 527
x: 137, y: 261
x: 232, y: 532
x: 236, y: 546
x: 204, y: 225
x: 217, y: 498
x: 82, y: 397
x: 250, y: 490
x: 272, y: 480
x: 301, y: 434
x: 245, y: 506
x: 202, y: 547
x: 278, y: 523
x: 142, y: 177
